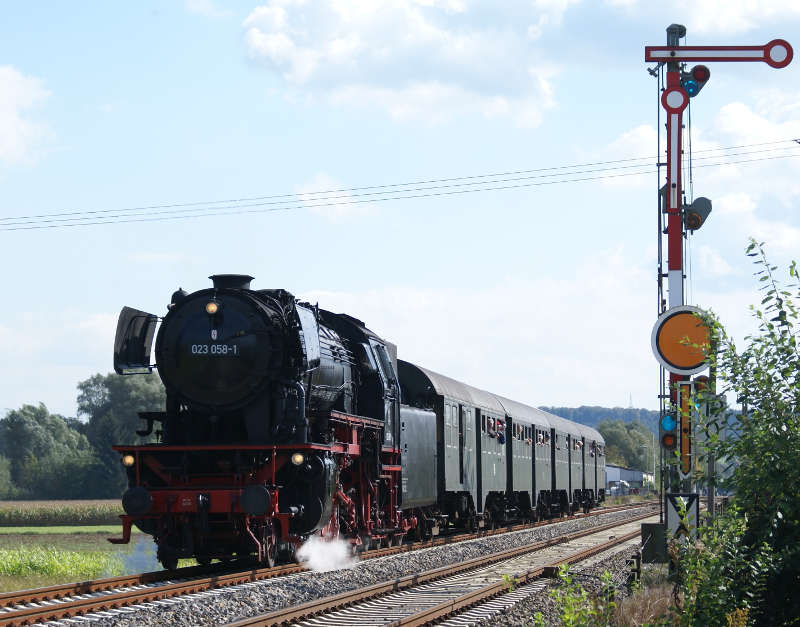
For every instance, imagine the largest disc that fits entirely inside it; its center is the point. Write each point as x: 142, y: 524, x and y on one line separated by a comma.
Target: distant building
x: 621, y: 480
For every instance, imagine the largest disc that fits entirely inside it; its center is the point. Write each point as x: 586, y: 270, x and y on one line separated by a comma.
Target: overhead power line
x: 428, y: 188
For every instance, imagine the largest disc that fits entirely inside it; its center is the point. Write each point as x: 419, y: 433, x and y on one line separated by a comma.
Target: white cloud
x: 756, y: 197
x: 582, y: 338
x: 412, y: 58
x: 58, y: 346
x: 319, y: 195
x: 742, y: 218
x: 735, y: 16
x: 712, y: 262
x: 205, y: 7
x: 636, y: 143
x: 737, y: 205
x: 20, y: 135
x: 728, y: 17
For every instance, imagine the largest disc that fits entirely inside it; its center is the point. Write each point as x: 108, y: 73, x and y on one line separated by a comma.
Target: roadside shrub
x: 745, y: 567
x: 578, y: 607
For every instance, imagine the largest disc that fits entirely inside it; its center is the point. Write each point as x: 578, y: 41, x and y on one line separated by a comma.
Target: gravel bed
x: 226, y: 605
x: 522, y: 613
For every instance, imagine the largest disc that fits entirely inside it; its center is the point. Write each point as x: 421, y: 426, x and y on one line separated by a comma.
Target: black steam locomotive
x: 283, y: 420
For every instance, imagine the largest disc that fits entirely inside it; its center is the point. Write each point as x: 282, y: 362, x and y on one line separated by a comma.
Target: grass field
x: 47, y: 557
x: 44, y: 543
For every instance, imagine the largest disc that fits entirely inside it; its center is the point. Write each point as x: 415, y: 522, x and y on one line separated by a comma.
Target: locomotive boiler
x: 284, y: 420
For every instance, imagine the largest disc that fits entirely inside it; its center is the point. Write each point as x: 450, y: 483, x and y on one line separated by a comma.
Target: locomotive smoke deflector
x: 231, y: 281
x: 133, y: 341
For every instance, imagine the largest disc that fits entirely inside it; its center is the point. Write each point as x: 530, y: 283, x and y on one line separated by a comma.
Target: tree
x: 111, y: 404
x: 7, y: 488
x: 592, y: 416
x: 627, y: 443
x: 749, y: 559
x: 33, y: 432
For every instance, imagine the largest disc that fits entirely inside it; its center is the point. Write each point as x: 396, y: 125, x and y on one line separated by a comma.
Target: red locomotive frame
x: 366, y: 519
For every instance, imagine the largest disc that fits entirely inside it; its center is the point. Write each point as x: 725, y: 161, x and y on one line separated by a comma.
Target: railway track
x: 99, y: 596
x: 434, y: 595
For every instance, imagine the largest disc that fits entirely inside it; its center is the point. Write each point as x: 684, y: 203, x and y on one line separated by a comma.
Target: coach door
x: 461, y: 442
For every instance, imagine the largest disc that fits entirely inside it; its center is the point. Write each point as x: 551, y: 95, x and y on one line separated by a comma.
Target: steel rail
x: 10, y: 600
x: 58, y: 591
x: 321, y: 606
x: 496, y: 589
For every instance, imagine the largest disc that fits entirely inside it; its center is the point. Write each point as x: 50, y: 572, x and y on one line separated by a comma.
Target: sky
x: 543, y: 291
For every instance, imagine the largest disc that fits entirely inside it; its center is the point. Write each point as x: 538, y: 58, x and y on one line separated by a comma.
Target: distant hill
x: 592, y: 416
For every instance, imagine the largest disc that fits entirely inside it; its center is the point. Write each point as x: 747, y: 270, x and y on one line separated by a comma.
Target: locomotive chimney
x: 231, y: 281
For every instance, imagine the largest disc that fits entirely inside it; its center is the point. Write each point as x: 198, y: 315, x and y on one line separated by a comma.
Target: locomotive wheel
x: 270, y: 540
x: 366, y: 542
x: 169, y: 563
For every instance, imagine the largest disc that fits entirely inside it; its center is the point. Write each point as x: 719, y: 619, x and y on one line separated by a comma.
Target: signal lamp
x: 128, y: 460
x: 669, y: 437
x: 668, y: 423
x: 694, y: 80
x: 695, y: 215
x: 212, y: 307
x: 298, y: 458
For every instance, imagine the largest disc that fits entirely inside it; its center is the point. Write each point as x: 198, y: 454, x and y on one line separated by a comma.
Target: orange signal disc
x: 674, y: 338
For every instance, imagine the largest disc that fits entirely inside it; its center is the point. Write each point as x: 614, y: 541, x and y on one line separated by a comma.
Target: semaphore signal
x: 675, y: 353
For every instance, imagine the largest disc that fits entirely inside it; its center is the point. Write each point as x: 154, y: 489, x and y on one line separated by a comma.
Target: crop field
x: 48, y: 513
x: 109, y: 530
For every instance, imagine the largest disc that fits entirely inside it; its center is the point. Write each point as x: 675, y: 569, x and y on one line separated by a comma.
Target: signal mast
x: 678, y: 321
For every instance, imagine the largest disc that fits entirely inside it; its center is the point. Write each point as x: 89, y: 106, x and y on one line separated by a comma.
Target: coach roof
x: 460, y: 391
x: 525, y: 412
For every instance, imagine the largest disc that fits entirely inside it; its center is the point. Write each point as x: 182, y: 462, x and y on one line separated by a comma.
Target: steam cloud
x: 322, y: 555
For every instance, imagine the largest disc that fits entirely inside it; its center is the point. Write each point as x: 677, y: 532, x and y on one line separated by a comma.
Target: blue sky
x: 544, y: 293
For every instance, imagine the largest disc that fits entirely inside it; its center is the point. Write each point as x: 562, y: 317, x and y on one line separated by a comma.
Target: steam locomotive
x: 283, y: 420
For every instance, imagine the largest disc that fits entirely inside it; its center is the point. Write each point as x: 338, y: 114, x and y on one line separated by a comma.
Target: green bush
x: 746, y: 565
x: 578, y: 607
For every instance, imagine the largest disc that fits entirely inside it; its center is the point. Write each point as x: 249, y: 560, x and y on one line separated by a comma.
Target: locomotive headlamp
x: 298, y: 458
x: 128, y: 460
x: 212, y: 307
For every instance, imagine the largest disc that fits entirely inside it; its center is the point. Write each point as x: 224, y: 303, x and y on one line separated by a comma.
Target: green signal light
x: 668, y: 423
